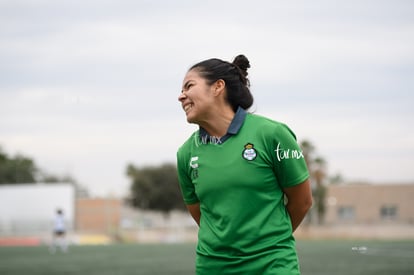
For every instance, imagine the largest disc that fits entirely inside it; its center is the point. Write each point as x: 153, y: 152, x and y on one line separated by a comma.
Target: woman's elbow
x: 308, y: 204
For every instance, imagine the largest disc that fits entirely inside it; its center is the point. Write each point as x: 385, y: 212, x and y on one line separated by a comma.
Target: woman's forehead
x: 191, y: 75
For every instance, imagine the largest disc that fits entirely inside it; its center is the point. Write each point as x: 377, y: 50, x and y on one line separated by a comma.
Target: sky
x: 88, y: 87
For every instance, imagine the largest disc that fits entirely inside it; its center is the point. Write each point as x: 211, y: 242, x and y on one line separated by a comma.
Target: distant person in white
x: 59, y: 233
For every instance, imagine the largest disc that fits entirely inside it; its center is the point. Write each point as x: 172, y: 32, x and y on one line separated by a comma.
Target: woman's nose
x: 182, y: 96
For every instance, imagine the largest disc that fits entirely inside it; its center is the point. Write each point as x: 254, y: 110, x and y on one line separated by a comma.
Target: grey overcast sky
x: 87, y: 87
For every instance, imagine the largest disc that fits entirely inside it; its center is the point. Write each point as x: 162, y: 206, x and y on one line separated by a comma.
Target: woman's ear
x: 219, y: 87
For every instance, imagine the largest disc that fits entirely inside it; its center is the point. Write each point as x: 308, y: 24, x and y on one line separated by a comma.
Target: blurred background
x: 90, y: 122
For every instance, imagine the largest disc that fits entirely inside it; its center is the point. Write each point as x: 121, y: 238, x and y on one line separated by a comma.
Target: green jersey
x: 238, y: 181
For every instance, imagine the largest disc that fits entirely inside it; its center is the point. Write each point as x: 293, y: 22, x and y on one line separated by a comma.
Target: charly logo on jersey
x: 249, y: 152
x: 194, y: 166
x: 193, y: 162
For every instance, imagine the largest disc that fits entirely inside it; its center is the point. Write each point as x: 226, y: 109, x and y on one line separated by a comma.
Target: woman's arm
x: 299, y: 202
x: 194, y: 210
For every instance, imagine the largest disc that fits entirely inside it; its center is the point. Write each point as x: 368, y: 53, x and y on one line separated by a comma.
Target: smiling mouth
x: 187, y: 107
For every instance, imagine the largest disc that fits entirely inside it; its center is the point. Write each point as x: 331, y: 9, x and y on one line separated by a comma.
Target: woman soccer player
x: 234, y: 174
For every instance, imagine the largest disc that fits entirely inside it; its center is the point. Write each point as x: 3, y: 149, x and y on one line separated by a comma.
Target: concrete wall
x: 32, y: 207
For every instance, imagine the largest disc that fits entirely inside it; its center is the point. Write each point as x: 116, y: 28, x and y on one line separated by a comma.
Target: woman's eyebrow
x: 185, y: 86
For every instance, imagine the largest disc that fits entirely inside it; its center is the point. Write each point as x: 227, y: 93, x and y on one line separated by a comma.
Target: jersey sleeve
x: 288, y: 160
x: 184, y: 179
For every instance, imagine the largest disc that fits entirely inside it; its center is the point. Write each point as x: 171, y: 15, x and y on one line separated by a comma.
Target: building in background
x: 370, y: 204
x: 98, y: 215
x: 352, y: 211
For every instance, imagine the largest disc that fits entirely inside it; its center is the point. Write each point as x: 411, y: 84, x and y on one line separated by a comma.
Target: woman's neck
x: 218, y: 124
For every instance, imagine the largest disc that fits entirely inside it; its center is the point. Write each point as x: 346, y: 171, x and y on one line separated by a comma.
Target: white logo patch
x: 193, y: 162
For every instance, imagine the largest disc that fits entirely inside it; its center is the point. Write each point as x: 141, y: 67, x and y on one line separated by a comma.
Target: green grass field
x: 317, y: 258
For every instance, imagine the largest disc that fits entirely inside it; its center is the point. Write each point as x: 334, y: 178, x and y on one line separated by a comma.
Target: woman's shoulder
x: 268, y: 125
x: 261, y: 121
x: 189, y: 142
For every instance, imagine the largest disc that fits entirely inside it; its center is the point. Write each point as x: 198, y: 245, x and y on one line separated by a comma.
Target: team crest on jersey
x: 249, y: 152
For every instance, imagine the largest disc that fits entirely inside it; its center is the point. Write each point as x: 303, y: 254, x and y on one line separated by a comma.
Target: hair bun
x: 242, y: 62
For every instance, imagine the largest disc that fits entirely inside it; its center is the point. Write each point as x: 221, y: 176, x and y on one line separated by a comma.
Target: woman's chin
x: 191, y: 119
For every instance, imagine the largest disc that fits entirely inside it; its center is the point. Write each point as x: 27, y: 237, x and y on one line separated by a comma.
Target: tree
x: 18, y: 169
x: 319, y: 175
x: 317, y: 170
x: 21, y: 169
x: 307, y: 149
x: 155, y: 187
x: 336, y: 179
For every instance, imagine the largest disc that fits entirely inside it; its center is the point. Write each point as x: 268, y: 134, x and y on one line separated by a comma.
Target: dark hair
x: 233, y: 74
